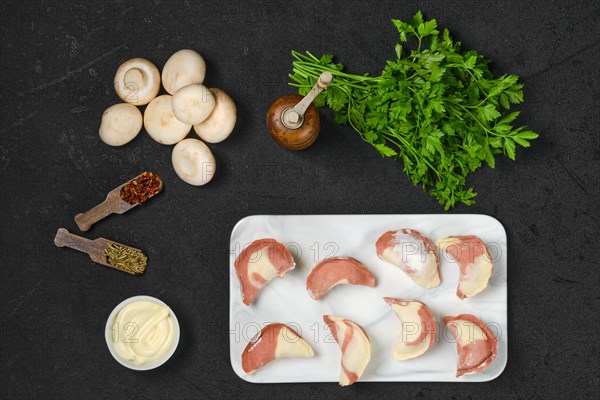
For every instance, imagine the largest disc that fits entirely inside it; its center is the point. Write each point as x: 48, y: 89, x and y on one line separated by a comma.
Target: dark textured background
x: 58, y: 62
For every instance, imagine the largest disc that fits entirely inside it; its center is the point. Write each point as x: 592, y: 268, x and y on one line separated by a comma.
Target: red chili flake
x: 141, y: 189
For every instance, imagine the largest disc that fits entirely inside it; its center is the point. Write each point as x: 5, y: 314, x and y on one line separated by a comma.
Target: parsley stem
x: 406, y: 146
x: 314, y: 73
x: 479, y: 122
x: 317, y: 69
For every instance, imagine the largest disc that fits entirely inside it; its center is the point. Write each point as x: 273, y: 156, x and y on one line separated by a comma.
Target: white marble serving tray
x: 312, y: 238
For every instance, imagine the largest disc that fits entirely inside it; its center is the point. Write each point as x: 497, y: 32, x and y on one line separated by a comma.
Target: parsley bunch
x: 437, y: 108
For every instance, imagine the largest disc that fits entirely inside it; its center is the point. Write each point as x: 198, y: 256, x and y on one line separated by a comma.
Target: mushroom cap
x: 181, y: 69
x: 192, y: 104
x: 120, y: 124
x: 221, y: 121
x: 293, y: 139
x: 137, y: 81
x: 161, y: 124
x: 193, y: 162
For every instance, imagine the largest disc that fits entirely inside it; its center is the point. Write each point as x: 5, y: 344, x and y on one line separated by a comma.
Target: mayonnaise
x: 143, y: 332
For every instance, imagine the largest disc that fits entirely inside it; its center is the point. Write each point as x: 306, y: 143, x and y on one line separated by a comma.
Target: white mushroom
x: 221, y: 121
x: 161, y: 124
x: 193, y: 162
x: 181, y: 69
x: 120, y: 124
x: 137, y: 81
x: 192, y: 104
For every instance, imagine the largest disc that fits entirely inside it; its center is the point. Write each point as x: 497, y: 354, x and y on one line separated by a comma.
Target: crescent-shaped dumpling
x: 335, y: 271
x: 355, y: 346
x: 413, y: 253
x: 476, y: 344
x: 257, y: 264
x: 474, y: 261
x: 274, y: 341
x: 418, y: 328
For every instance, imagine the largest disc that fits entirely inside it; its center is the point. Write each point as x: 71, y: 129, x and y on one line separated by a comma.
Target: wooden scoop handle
x: 112, y: 204
x: 93, y: 248
x: 85, y: 220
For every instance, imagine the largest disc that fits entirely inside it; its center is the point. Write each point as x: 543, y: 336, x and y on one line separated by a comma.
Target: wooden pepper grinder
x: 293, y: 120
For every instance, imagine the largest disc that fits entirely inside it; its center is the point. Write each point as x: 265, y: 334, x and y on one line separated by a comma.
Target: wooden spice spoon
x: 113, y: 204
x: 96, y: 248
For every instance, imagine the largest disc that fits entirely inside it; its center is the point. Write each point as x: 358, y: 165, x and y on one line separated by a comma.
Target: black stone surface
x: 58, y: 61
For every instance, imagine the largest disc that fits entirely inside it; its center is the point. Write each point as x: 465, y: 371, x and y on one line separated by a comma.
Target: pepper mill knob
x: 293, y: 120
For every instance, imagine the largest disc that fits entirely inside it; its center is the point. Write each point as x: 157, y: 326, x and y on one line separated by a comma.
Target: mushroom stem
x: 137, y: 81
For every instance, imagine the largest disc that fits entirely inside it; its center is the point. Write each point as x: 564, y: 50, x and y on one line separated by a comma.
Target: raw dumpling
x: 335, y: 271
x: 413, y: 253
x: 476, y: 344
x: 474, y: 261
x: 272, y: 342
x: 355, y: 346
x: 418, y: 328
x: 257, y: 264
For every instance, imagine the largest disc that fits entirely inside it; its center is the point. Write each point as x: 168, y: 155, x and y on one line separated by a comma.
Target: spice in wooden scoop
x: 122, y: 198
x: 126, y: 259
x: 140, y: 189
x: 106, y: 252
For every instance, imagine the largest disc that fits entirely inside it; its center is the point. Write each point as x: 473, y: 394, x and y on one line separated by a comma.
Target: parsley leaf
x: 437, y: 108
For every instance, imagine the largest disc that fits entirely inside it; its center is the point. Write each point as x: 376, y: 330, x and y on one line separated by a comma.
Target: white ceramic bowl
x: 109, y: 338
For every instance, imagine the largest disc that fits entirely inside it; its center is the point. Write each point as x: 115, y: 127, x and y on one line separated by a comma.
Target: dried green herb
x: 126, y: 259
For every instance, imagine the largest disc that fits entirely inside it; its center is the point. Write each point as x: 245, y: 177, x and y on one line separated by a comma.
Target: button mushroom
x: 192, y: 104
x: 193, y: 162
x: 137, y: 81
x: 120, y: 124
x: 181, y: 69
x: 161, y: 124
x: 221, y: 121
